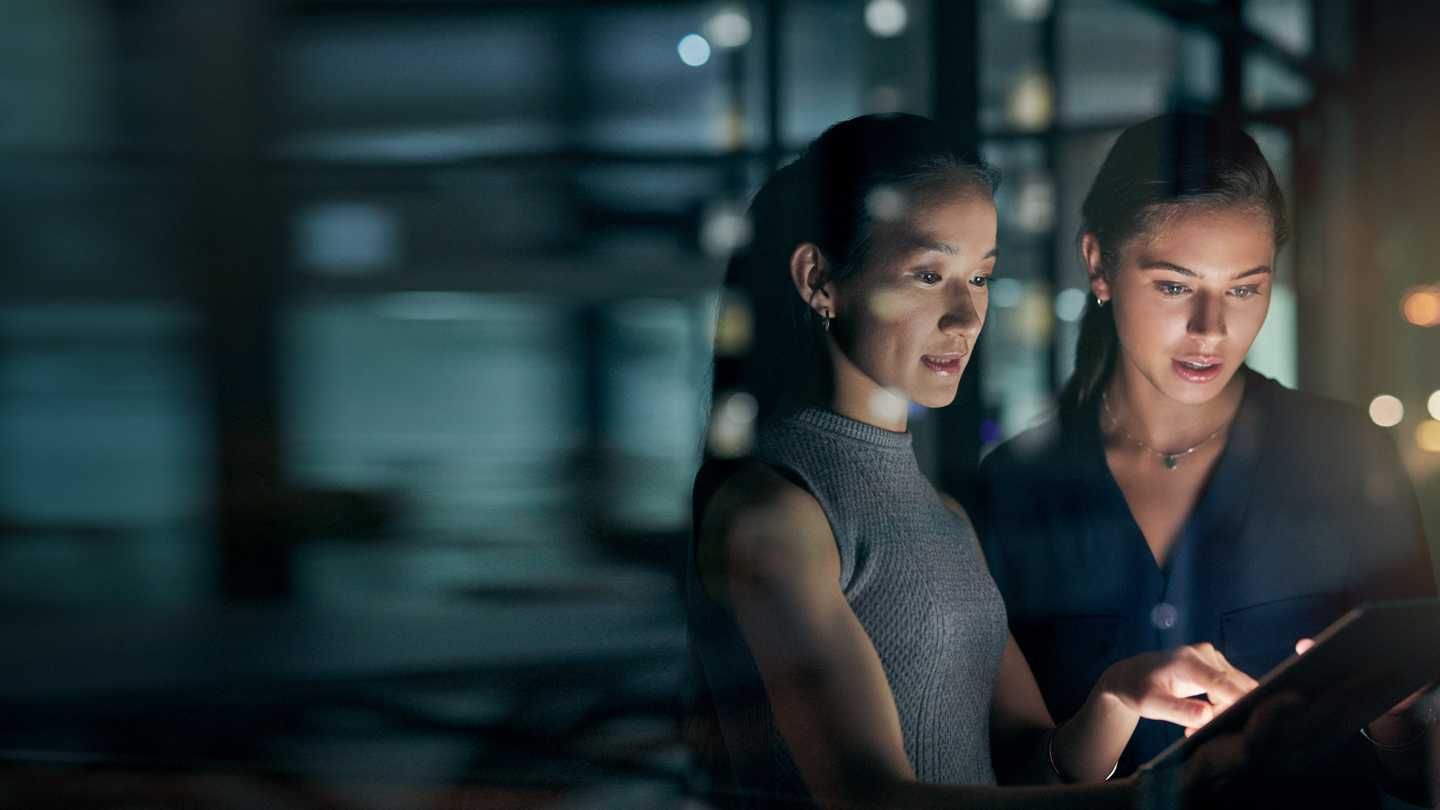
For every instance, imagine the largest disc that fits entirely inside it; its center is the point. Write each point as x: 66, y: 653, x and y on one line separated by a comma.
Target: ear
x: 1095, y: 267
x: 811, y: 273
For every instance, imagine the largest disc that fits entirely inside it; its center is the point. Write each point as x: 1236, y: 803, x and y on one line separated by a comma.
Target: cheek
x: 1148, y: 324
x: 876, y: 345
x: 1250, y: 320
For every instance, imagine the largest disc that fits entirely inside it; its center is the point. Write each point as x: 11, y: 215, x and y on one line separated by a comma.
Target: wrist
x: 1403, y: 731
x: 1111, y: 700
x: 1055, y: 766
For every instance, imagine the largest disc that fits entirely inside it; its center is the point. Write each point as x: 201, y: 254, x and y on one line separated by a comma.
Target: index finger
x: 1226, y: 684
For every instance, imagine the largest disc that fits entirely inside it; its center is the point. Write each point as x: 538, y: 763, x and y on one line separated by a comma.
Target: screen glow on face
x: 910, y: 321
x: 1189, y: 300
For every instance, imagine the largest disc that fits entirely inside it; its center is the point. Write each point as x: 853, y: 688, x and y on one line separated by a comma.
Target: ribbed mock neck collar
x: 831, y: 422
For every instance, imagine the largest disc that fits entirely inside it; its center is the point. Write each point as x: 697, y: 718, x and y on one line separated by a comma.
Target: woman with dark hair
x: 852, y: 646
x: 1178, y: 497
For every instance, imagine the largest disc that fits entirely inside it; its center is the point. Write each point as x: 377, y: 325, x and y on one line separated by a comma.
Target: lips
x: 946, y: 365
x: 1198, y: 369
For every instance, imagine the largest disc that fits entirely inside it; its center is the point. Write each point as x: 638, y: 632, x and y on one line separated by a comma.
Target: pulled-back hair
x: 1156, y: 169
x: 856, y: 174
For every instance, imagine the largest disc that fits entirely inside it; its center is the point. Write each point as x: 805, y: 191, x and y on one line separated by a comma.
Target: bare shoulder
x: 760, y: 529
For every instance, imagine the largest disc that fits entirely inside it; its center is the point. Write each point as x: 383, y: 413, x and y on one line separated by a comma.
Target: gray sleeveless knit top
x: 912, y: 573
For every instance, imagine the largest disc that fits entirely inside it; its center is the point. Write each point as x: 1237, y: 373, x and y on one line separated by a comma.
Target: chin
x: 936, y: 399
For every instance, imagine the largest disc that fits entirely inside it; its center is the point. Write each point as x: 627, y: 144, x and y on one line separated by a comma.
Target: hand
x: 1400, y: 726
x: 1234, y: 769
x: 1163, y: 685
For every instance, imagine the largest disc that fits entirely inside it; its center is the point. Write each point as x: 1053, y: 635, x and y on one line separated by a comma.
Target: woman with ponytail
x: 852, y: 646
x: 1178, y: 497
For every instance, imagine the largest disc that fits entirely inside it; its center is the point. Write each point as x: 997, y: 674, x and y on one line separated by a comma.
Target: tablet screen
x: 1366, y: 662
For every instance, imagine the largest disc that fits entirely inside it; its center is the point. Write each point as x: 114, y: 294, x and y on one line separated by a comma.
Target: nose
x: 962, y: 316
x: 1207, y: 318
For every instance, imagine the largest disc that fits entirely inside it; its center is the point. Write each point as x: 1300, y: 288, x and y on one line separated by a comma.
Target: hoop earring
x: 1099, y: 302
x: 825, y: 320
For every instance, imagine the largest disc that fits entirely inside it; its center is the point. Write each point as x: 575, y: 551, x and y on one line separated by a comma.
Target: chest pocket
x: 1257, y: 638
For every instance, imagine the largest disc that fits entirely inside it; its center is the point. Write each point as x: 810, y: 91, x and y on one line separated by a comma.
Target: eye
x: 980, y: 281
x: 1245, y: 292
x: 1168, y: 288
x: 928, y: 277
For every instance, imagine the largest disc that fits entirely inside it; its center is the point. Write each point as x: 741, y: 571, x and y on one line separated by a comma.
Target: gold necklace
x: 1171, y: 459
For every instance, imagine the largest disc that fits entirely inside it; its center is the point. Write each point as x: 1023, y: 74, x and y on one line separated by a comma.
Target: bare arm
x: 767, y: 554
x: 1086, y: 747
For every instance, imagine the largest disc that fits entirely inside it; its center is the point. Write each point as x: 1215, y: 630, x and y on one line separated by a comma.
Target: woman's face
x: 1189, y: 300
x: 909, y: 321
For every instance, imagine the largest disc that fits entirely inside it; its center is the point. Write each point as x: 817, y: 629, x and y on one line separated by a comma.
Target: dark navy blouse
x: 1309, y: 513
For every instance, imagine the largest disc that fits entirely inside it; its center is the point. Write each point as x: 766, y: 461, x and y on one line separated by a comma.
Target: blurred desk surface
x: 80, y: 658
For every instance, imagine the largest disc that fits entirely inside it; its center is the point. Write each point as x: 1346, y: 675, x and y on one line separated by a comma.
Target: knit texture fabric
x: 911, y: 572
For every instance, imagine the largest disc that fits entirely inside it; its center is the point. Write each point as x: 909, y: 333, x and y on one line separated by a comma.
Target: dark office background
x: 354, y: 354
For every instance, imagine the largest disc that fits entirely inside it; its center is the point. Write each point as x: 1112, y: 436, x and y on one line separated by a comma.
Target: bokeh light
x: 1035, y: 317
x: 1035, y: 205
x: 886, y: 18
x: 1070, y: 305
x: 1030, y: 11
x: 1433, y: 404
x: 885, y: 203
x: 732, y: 424
x: 1031, y: 106
x: 883, y: 99
x: 887, y: 405
x: 886, y: 304
x: 724, y: 228
x: 1386, y: 411
x: 989, y: 431
x: 1006, y: 292
x: 348, y: 239
x: 1421, y: 306
x: 734, y: 325
x: 694, y: 50
x: 1427, y: 436
x: 729, y: 28
x: 1164, y: 616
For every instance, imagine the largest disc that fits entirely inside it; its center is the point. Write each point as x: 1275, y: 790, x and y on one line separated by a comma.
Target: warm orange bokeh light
x: 1427, y: 436
x: 1421, y: 306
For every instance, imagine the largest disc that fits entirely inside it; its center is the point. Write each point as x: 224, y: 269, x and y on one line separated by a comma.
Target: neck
x: 856, y: 396
x: 1163, y: 423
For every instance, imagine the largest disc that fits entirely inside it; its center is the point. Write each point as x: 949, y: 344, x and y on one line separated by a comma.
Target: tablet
x: 1362, y: 665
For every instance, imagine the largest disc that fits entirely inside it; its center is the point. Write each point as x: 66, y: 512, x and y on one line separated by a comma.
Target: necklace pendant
x: 1170, y: 462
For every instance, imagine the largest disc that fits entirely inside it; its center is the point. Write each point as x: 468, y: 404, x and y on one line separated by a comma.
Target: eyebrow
x: 913, y: 242
x: 1175, y: 268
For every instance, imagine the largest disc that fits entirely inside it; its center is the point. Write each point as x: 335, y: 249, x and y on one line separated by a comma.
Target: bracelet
x: 1050, y: 754
x: 1407, y: 745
